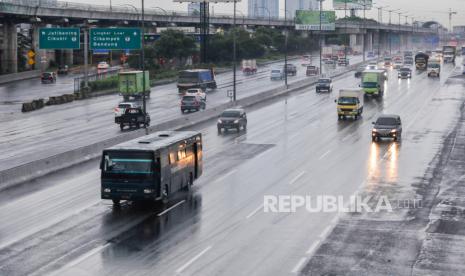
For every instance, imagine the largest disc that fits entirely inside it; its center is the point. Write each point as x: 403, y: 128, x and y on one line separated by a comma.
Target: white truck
x: 327, y: 51
x: 350, y: 103
x: 434, y: 67
x: 249, y: 66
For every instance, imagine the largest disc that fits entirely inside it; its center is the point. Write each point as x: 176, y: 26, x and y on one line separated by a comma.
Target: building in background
x: 193, y: 8
x: 293, y: 5
x: 263, y: 8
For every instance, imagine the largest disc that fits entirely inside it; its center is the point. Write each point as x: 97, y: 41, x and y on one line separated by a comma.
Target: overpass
x: 58, y: 13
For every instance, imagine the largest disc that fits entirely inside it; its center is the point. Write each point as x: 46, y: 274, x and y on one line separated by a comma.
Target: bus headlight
x: 107, y: 190
x: 236, y: 121
x: 148, y: 191
x: 219, y: 121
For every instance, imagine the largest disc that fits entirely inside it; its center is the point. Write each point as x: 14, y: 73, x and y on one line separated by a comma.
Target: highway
x: 55, y: 129
x: 58, y: 225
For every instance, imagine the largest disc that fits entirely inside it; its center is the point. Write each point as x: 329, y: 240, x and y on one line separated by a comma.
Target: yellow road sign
x: 31, y: 61
x: 31, y: 54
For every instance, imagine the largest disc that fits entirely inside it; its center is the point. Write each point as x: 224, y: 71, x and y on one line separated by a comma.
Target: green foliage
x: 174, y: 44
x: 97, y: 85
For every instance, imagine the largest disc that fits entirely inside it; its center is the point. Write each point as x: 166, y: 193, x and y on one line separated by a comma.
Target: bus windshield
x: 128, y: 164
x: 369, y: 85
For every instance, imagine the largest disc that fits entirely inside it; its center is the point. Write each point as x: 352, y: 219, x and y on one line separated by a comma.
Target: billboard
x: 310, y: 20
x: 352, y: 4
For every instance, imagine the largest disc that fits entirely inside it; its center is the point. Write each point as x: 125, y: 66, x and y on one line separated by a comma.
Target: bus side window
x: 172, y: 158
x: 181, y: 154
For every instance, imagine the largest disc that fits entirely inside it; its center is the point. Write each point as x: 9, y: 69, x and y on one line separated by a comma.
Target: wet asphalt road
x: 28, y: 136
x: 58, y: 225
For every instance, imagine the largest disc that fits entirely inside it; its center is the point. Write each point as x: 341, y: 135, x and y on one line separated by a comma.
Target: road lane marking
x: 254, y: 212
x: 325, y: 232
x: 296, y: 178
x: 179, y: 270
x: 334, y: 220
x: 171, y: 208
x: 81, y: 258
x: 313, y: 247
x: 299, y: 265
x: 324, y: 154
x: 226, y: 175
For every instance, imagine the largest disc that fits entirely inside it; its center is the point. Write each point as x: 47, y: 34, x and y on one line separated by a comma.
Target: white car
x: 196, y: 92
x: 121, y: 108
x: 103, y: 65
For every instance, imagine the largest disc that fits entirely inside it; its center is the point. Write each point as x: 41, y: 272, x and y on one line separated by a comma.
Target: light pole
x: 285, y: 42
x: 319, y: 38
x: 144, y: 100
x: 347, y: 35
x: 390, y: 33
x: 400, y: 36
x: 234, y: 52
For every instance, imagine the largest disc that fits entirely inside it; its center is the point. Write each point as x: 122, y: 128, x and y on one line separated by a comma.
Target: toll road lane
x: 220, y: 220
x: 46, y: 132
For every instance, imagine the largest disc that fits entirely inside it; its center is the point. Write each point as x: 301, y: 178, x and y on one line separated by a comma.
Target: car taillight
x: 116, y: 109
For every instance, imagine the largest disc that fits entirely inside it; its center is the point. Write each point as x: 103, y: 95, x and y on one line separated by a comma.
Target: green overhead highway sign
x: 59, y: 38
x: 115, y: 38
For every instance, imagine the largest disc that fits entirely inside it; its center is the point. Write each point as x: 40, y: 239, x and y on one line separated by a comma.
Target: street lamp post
x: 319, y: 38
x: 234, y: 52
x: 400, y: 36
x: 285, y: 43
x: 347, y: 35
x: 364, y: 28
x: 144, y: 100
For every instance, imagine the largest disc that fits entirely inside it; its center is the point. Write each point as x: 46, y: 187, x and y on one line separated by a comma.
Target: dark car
x: 192, y: 102
x: 324, y: 84
x: 48, y: 77
x: 312, y: 70
x: 343, y: 62
x: 133, y: 117
x: 63, y: 70
x: 233, y: 118
x: 291, y: 69
x: 405, y: 73
x: 387, y: 126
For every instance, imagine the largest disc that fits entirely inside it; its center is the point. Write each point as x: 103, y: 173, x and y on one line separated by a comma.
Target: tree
x: 174, y: 44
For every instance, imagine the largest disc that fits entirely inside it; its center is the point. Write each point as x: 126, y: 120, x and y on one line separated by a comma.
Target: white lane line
x: 313, y: 247
x: 324, y: 154
x: 297, y: 178
x: 81, y: 258
x: 346, y: 138
x: 226, y: 175
x: 299, y: 265
x: 334, y: 220
x: 294, y: 136
x: 179, y: 270
x: 325, y: 232
x: 171, y: 208
x: 254, y: 212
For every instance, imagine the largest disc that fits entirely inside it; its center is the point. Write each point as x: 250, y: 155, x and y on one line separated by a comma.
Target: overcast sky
x: 421, y: 9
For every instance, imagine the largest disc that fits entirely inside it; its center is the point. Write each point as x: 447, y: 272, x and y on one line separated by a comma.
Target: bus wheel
x: 121, y: 126
x: 116, y: 202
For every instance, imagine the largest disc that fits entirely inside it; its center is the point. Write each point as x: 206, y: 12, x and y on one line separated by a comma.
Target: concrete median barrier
x: 66, y: 159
